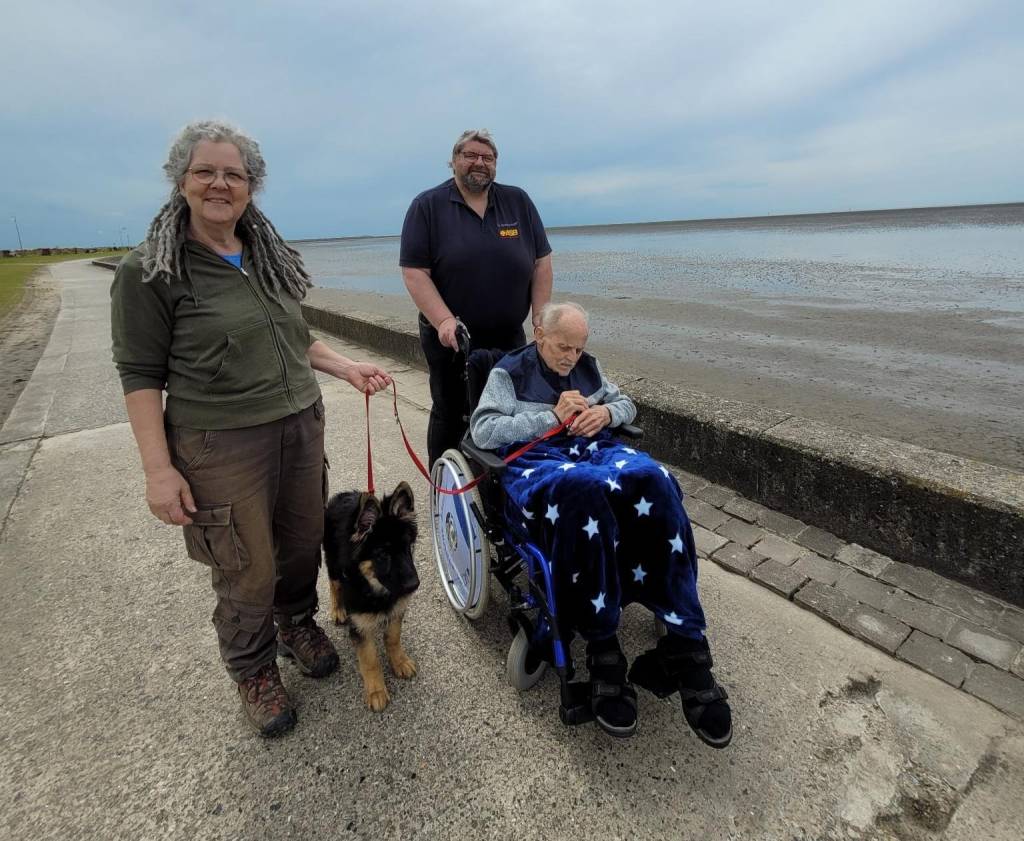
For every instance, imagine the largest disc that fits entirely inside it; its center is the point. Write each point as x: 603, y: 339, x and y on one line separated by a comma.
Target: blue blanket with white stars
x: 611, y: 521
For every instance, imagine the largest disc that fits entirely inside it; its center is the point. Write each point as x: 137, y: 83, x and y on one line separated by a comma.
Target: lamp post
x: 124, y: 234
x: 14, y: 219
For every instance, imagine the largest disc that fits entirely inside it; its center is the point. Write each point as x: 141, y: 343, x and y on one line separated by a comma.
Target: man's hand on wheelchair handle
x: 591, y: 421
x: 446, y: 332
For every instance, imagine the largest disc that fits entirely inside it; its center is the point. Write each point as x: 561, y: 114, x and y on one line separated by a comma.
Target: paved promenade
x: 118, y: 721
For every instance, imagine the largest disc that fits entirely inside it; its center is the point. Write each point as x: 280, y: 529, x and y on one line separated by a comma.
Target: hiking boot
x: 309, y: 646
x: 265, y: 702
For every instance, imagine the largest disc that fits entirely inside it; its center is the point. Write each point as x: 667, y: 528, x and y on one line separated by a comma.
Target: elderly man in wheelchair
x: 595, y: 524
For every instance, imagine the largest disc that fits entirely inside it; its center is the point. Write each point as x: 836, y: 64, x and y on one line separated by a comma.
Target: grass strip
x: 15, y: 272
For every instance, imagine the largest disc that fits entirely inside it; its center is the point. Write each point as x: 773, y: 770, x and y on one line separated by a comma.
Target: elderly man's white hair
x: 551, y: 314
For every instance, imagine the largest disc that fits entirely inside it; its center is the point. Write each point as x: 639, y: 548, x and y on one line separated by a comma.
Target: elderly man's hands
x: 169, y: 496
x: 591, y: 421
x: 569, y: 403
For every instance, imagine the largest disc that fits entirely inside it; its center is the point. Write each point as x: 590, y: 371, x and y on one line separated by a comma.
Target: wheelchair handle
x: 462, y: 336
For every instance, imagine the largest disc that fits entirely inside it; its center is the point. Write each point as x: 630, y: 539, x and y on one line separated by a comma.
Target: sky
x: 604, y: 112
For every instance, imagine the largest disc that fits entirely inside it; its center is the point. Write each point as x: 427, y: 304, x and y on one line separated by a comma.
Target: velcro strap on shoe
x: 704, y: 696
x: 697, y: 658
x: 605, y: 658
x: 601, y: 689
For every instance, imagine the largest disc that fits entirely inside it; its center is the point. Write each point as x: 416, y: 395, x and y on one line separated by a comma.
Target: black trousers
x: 448, y: 411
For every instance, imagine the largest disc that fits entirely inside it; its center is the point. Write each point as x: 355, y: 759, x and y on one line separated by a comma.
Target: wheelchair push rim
x: 461, y: 550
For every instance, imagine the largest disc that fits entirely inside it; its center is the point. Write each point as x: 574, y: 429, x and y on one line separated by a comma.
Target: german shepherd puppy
x: 369, y: 549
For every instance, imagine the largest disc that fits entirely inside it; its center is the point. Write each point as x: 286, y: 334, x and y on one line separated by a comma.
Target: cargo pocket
x: 212, y: 540
x: 240, y: 632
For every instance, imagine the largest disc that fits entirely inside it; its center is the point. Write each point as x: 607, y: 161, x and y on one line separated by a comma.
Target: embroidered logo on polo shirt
x: 506, y: 232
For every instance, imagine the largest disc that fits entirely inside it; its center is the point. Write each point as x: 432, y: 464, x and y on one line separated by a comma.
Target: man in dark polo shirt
x: 475, y: 250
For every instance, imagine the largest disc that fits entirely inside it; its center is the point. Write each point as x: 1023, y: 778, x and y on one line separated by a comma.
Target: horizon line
x: 707, y: 220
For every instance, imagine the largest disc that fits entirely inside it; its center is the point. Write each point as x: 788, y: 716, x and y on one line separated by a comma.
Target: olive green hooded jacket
x: 228, y: 354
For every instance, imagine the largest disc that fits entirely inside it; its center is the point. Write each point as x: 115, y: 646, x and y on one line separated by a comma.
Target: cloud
x: 604, y: 112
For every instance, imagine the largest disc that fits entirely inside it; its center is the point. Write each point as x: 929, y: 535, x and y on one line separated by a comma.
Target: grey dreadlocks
x: 278, y: 265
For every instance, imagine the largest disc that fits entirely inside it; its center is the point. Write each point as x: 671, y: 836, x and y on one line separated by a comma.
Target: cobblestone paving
x: 961, y: 636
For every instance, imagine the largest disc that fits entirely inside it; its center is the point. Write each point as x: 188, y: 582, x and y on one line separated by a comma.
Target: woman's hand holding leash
x: 367, y: 377
x: 169, y: 496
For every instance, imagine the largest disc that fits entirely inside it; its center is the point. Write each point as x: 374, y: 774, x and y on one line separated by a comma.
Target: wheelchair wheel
x: 461, y: 549
x: 523, y: 666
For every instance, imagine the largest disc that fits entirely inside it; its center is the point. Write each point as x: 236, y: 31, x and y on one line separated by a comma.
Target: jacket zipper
x: 273, y: 336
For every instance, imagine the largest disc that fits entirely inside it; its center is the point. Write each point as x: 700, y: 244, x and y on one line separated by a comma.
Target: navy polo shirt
x: 482, y: 268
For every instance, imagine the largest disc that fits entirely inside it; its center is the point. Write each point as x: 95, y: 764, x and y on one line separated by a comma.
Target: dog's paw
x: 402, y: 665
x: 376, y: 699
x: 339, y: 615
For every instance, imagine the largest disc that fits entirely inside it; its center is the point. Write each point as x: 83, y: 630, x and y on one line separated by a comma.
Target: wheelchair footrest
x: 577, y: 711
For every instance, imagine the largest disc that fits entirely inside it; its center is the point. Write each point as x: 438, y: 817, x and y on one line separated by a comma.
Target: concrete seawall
x: 960, y: 518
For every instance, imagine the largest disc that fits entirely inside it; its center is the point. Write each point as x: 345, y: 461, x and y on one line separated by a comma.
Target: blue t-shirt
x: 234, y: 259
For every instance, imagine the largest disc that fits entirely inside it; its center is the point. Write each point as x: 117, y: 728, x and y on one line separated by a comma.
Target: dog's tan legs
x: 337, y: 610
x: 401, y: 663
x: 375, y: 693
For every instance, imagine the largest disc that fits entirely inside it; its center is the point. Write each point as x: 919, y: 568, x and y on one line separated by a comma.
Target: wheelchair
x: 474, y: 547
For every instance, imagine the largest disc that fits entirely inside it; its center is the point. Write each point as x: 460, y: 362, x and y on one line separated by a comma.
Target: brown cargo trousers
x: 260, y: 492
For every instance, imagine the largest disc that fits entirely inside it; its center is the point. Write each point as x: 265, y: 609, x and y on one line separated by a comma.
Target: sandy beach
x: 947, y: 381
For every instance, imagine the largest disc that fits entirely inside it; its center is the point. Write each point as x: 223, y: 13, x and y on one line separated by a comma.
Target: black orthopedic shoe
x: 612, y: 699
x: 683, y: 665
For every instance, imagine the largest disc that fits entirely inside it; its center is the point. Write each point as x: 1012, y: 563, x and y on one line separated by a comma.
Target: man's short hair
x: 481, y: 135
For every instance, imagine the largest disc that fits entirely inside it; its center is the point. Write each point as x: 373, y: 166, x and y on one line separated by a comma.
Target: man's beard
x: 476, y: 181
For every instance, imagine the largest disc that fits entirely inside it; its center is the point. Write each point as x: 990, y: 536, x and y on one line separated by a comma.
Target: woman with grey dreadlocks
x: 207, y: 309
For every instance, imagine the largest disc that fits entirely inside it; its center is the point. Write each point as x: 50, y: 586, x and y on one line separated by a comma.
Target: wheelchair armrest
x: 485, y: 458
x: 627, y: 430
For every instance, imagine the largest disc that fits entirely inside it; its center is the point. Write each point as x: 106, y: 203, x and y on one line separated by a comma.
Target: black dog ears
x: 400, y: 503
x: 367, y: 515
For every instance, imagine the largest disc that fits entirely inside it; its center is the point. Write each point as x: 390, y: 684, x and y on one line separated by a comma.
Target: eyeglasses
x: 470, y: 157
x: 207, y: 175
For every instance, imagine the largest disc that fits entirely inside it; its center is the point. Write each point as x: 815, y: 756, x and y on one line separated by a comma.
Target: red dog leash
x: 419, y: 464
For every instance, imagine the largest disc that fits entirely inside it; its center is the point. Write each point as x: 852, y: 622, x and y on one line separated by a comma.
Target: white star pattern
x: 613, y: 485
x: 629, y: 450
x: 592, y: 447
x: 591, y: 527
x: 615, y: 544
x: 528, y: 471
x: 598, y: 603
x: 643, y: 508
x: 575, y: 577
x: 621, y: 463
x: 661, y: 467
x: 527, y: 514
x: 574, y: 450
x: 567, y: 466
x: 676, y: 543
x: 552, y: 513
x: 672, y: 618
x: 639, y: 574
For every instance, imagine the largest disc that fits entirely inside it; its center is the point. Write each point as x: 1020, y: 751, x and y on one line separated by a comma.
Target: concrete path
x: 117, y: 720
